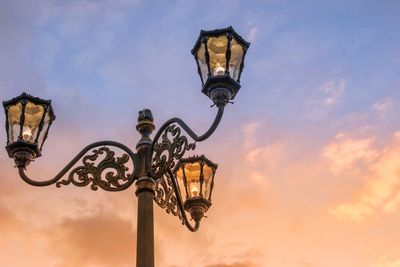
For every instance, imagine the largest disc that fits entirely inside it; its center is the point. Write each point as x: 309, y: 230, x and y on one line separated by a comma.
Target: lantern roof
x: 218, y: 32
x: 195, y: 159
x: 35, y: 100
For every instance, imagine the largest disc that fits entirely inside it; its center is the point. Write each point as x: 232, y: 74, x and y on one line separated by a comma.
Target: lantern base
x: 197, y: 206
x: 221, y: 89
x: 23, y: 152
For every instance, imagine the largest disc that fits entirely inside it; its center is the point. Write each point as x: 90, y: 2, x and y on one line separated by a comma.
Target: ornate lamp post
x: 160, y: 171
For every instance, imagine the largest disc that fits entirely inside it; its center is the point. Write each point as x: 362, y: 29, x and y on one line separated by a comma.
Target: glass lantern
x: 219, y: 55
x: 195, y: 177
x: 28, y: 120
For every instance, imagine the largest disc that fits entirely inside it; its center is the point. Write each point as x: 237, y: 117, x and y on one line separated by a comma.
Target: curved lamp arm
x: 190, y: 132
x: 91, y: 172
x: 173, y: 144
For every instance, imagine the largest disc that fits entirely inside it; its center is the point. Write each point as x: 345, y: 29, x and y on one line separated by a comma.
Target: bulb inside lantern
x: 195, y: 191
x: 27, y: 134
x: 219, y: 70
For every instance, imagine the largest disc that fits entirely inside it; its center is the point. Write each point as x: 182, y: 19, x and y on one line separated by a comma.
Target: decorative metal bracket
x: 101, y: 169
x: 174, y: 144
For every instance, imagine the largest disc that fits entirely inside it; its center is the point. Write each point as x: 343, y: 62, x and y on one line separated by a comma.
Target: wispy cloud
x: 251, y: 36
x: 334, y: 91
x: 345, y: 152
x: 380, y: 192
x: 258, y: 147
x: 382, y: 106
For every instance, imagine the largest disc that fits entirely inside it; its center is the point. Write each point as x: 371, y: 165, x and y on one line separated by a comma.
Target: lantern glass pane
x: 33, y: 116
x: 192, y: 173
x: 14, y: 115
x: 236, y: 59
x: 217, y: 50
x: 46, y: 125
x: 201, y: 59
x: 181, y: 185
x: 208, y: 177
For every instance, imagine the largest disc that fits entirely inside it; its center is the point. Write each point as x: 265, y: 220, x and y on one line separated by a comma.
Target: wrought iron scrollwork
x: 172, y: 147
x: 174, y: 144
x: 166, y: 198
x: 109, y: 173
x: 101, y: 169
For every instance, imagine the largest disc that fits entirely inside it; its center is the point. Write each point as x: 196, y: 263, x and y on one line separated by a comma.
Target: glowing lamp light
x: 219, y: 70
x: 219, y: 55
x: 27, y: 134
x: 28, y: 120
x: 195, y: 177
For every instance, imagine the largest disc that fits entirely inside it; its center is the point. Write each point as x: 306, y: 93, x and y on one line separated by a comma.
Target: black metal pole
x: 145, y: 187
x: 145, y: 223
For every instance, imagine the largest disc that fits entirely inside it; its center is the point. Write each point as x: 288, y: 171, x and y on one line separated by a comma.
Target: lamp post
x: 160, y: 172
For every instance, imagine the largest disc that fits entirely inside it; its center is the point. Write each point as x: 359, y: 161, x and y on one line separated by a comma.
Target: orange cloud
x: 388, y: 263
x: 381, y: 189
x: 236, y: 264
x: 257, y: 154
x: 101, y: 239
x: 8, y: 220
x: 345, y: 152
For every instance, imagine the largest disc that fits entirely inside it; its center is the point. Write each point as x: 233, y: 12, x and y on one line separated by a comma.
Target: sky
x: 308, y: 154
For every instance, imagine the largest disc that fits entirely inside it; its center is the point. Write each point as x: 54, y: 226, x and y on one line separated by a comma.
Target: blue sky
x: 310, y: 145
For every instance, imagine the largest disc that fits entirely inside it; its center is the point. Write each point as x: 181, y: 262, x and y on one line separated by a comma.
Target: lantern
x: 28, y: 120
x: 195, y: 177
x: 219, y: 55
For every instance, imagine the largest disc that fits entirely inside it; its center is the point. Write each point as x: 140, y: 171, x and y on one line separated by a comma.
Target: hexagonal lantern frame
x: 220, y: 88
x: 23, y: 151
x: 196, y: 205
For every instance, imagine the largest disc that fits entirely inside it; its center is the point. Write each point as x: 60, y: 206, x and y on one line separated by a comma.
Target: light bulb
x: 194, y: 190
x: 219, y: 70
x: 27, y: 134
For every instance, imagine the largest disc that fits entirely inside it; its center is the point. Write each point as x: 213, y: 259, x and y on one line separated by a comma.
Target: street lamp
x: 160, y: 171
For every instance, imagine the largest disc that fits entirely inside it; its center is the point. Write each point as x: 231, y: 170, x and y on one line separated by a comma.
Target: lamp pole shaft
x: 145, y: 190
x: 145, y: 223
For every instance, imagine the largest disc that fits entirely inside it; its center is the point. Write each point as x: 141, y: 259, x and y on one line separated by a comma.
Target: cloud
x: 324, y: 98
x: 251, y: 36
x: 345, y: 152
x: 333, y: 91
x: 381, y: 191
x: 8, y: 220
x: 381, y: 107
x: 236, y: 264
x: 249, y: 131
x: 388, y: 263
x: 100, y: 239
x: 256, y: 153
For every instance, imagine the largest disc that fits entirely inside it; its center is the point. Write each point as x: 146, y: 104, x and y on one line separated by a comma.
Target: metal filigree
x: 110, y: 173
x: 165, y: 197
x: 172, y: 147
